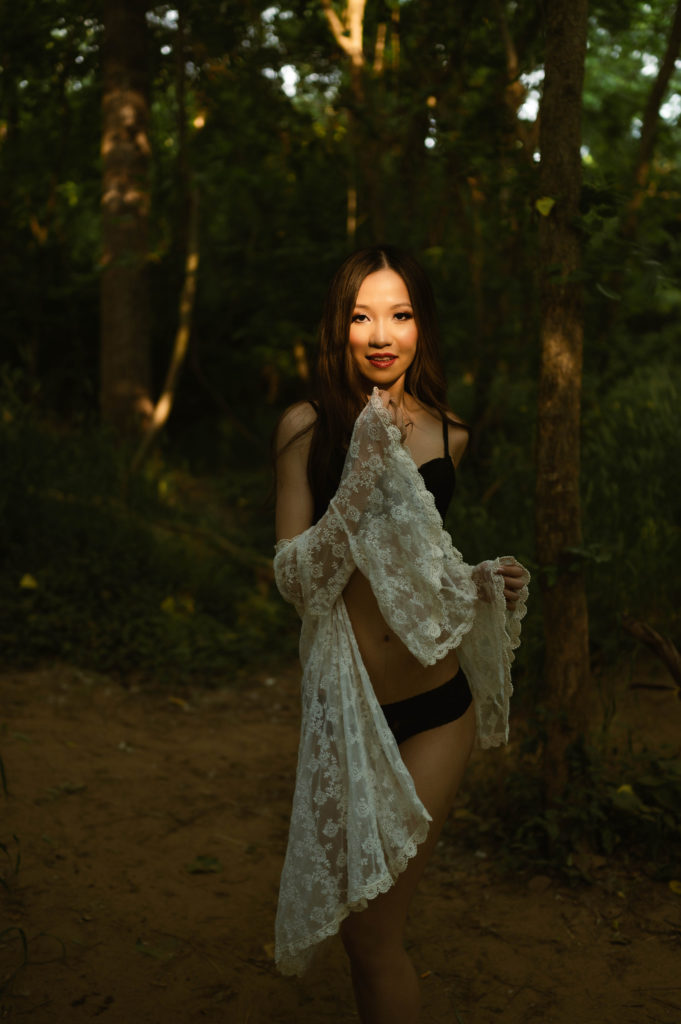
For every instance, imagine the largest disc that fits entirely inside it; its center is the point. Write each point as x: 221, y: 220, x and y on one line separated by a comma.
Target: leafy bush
x: 624, y: 807
x: 632, y: 501
x: 127, y: 575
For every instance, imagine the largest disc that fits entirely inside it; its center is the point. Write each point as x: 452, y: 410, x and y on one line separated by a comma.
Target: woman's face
x: 383, y: 332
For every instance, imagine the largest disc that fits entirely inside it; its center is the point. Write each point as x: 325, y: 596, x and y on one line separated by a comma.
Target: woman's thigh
x: 436, y: 760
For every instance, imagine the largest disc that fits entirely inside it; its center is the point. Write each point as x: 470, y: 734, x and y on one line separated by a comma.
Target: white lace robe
x: 356, y: 818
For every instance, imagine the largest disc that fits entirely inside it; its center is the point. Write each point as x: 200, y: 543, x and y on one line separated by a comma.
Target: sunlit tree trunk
x: 126, y: 153
x: 348, y: 31
x: 558, y: 517
x: 362, y: 113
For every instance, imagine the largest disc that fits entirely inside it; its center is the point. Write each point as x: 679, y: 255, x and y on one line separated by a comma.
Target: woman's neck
x: 401, y: 398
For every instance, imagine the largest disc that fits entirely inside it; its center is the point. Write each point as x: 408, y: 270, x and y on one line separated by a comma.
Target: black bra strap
x: 445, y: 435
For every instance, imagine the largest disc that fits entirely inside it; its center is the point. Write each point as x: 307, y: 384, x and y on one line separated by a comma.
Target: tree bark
x: 558, y: 515
x: 126, y: 153
x: 348, y: 32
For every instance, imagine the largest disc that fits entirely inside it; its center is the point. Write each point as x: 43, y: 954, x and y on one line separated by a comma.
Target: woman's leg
x: 384, y: 980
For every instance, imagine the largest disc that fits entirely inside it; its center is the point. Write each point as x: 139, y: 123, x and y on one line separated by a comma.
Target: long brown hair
x: 339, y: 393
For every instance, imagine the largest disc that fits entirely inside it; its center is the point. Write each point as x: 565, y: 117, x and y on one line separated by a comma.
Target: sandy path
x: 152, y: 828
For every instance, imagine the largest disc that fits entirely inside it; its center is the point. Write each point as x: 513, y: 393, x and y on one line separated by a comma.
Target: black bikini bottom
x: 427, y: 710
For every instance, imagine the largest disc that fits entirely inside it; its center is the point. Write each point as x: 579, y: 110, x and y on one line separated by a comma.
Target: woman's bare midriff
x: 393, y: 670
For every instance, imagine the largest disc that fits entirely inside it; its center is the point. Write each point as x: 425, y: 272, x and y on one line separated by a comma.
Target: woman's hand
x: 514, y: 575
x: 397, y: 414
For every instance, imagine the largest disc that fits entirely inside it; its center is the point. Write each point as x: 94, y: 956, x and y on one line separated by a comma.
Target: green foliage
x: 125, y: 575
x: 439, y: 165
x: 626, y: 45
x: 203, y: 865
x: 633, y: 501
x: 623, y: 807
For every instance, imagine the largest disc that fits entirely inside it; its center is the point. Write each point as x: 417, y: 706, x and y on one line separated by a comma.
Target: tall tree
x: 368, y: 117
x: 558, y: 515
x: 348, y: 32
x: 126, y: 155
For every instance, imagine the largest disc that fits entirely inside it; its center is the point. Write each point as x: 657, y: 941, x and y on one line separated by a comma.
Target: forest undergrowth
x: 164, y: 578
x: 163, y: 575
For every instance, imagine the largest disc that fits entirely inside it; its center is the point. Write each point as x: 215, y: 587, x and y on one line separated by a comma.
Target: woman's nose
x: 378, y: 337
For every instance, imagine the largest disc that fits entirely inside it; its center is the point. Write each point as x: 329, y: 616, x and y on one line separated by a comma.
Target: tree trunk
x: 558, y: 518
x: 348, y: 31
x: 124, y: 372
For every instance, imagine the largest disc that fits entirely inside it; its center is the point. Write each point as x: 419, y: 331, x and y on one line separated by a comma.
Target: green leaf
x: 544, y: 205
x: 204, y: 866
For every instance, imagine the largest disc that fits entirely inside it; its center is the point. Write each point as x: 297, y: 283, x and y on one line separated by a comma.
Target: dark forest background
x: 177, y: 185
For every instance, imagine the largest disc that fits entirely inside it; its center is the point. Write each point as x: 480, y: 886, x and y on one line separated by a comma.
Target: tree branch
x: 515, y: 92
x: 349, y: 39
x: 355, y: 16
x: 651, y: 120
x: 165, y: 403
x: 348, y: 35
x: 661, y: 645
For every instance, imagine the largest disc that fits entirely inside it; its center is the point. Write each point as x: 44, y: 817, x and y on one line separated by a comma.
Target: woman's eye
x: 359, y: 318
x: 404, y: 315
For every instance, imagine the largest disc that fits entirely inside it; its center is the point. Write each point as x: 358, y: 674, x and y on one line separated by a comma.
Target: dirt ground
x: 151, y: 830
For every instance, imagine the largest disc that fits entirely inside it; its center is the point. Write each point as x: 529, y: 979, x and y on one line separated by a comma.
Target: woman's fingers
x: 513, y: 583
x: 511, y: 569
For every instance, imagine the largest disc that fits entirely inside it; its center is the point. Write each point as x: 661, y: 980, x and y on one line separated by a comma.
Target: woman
x: 390, y: 614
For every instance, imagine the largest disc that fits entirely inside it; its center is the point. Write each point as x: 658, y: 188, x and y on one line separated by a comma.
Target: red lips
x: 382, y: 362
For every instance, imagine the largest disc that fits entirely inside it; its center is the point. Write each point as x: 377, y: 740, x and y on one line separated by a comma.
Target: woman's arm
x: 313, y: 563
x: 295, y: 504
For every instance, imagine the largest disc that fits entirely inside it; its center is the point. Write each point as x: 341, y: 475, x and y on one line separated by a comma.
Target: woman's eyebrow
x: 396, y: 305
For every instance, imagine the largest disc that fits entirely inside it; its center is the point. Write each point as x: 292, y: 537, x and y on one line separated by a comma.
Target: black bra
x: 439, y: 475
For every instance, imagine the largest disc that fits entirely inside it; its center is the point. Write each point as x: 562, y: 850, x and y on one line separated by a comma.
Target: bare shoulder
x: 458, y: 436
x: 295, y: 426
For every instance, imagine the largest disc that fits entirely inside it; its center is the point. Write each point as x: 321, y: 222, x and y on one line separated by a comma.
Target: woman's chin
x: 381, y: 381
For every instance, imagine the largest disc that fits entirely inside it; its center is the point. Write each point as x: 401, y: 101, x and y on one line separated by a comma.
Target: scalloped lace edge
x: 296, y: 959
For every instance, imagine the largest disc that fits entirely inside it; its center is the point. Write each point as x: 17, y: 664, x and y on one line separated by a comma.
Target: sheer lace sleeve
x: 487, y: 651
x: 312, y: 569
x: 424, y: 589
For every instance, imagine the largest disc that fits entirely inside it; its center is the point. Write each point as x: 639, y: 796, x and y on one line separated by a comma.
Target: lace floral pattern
x: 356, y: 818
